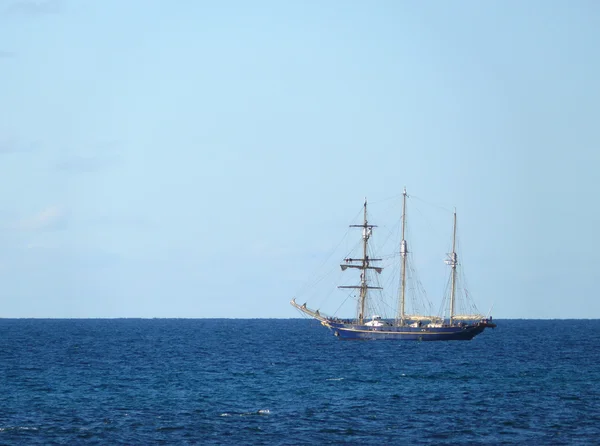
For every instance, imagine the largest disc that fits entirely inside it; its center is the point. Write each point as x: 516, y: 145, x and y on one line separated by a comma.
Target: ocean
x: 291, y: 382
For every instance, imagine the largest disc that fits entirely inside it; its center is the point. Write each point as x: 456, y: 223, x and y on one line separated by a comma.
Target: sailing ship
x: 405, y: 326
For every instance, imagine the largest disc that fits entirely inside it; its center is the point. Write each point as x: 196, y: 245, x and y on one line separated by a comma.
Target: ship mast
x: 363, y: 265
x: 363, y: 276
x: 453, y: 262
x: 403, y: 254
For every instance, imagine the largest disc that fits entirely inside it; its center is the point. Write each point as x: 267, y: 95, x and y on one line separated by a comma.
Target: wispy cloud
x: 50, y: 218
x: 35, y: 8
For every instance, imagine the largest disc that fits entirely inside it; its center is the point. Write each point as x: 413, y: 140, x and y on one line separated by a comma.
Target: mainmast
x: 403, y: 254
x: 363, y: 265
x: 453, y: 262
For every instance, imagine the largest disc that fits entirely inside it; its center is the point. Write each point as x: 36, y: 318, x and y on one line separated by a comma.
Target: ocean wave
x: 246, y: 414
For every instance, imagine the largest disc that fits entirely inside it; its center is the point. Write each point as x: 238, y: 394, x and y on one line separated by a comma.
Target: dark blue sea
x: 290, y: 382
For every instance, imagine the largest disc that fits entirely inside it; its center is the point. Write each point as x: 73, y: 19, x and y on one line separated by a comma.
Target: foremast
x: 362, y: 264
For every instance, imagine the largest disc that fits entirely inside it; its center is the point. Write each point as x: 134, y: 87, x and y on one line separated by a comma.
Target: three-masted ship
x: 410, y: 327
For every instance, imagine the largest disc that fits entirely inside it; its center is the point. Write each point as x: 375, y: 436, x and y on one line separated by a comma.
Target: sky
x: 196, y: 159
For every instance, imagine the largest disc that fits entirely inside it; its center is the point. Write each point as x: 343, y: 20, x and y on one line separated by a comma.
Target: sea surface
x: 291, y: 382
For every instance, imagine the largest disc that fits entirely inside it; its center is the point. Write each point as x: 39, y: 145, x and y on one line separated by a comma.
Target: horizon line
x: 256, y: 318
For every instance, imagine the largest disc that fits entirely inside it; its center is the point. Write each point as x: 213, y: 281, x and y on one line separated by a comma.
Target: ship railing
x: 422, y: 318
x: 468, y: 317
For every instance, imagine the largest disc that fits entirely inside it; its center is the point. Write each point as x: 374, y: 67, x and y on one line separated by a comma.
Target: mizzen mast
x: 363, y: 264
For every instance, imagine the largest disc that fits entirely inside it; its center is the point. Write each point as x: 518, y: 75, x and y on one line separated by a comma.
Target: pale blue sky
x: 198, y: 159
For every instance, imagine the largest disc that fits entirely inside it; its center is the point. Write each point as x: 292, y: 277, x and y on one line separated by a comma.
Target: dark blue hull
x: 405, y: 333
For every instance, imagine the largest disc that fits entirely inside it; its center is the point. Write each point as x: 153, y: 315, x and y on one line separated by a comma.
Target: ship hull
x: 404, y: 333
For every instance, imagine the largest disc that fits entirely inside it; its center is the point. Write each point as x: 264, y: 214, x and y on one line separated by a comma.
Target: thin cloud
x: 50, y: 218
x: 35, y: 8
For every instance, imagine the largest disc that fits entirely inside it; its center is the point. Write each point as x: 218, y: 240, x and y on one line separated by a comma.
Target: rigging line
x: 433, y: 204
x: 320, y: 267
x: 383, y: 200
x: 322, y: 278
x: 314, y: 282
x: 427, y: 222
x: 356, y: 216
x: 342, y: 304
x: 304, y: 315
x: 395, y: 229
x: 445, y: 305
x: 354, y: 248
x: 307, y: 285
x: 386, y: 304
x: 327, y: 296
